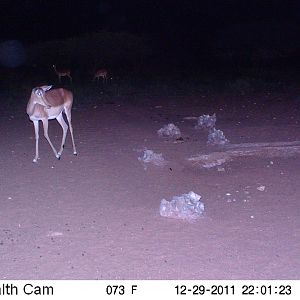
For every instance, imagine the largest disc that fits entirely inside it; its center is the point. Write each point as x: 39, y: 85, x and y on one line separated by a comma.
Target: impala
x: 46, y: 104
x: 62, y: 73
x: 101, y: 73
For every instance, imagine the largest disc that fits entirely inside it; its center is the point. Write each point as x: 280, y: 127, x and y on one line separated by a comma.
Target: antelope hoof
x: 35, y: 159
x: 75, y: 153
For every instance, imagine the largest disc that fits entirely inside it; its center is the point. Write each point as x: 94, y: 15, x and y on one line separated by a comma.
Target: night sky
x: 194, y: 25
x: 30, y: 20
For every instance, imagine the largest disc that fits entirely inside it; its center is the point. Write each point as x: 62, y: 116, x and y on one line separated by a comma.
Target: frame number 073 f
x: 120, y: 289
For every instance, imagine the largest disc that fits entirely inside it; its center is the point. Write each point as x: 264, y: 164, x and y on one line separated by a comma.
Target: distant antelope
x: 63, y: 73
x: 46, y: 104
x: 101, y: 73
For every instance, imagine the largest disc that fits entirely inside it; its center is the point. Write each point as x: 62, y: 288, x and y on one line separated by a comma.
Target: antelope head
x: 39, y: 95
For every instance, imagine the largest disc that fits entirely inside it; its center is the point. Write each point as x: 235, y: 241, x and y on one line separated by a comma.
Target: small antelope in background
x: 63, y: 73
x: 46, y: 104
x: 101, y: 73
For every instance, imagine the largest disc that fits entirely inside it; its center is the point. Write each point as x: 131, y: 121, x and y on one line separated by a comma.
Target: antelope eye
x: 39, y: 93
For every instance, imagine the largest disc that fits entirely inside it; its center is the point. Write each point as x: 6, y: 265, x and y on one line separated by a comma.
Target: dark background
x: 191, y: 20
x: 191, y: 34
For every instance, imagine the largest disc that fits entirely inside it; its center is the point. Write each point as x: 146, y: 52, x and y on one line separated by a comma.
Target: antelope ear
x: 46, y: 88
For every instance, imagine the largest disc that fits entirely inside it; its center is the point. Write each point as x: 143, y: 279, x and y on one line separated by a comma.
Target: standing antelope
x: 101, y: 73
x: 63, y: 73
x: 45, y: 104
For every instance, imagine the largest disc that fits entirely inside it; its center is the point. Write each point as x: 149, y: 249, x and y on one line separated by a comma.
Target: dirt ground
x: 96, y: 215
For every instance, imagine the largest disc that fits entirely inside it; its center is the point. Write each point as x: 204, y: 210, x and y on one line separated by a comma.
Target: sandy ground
x: 96, y: 216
